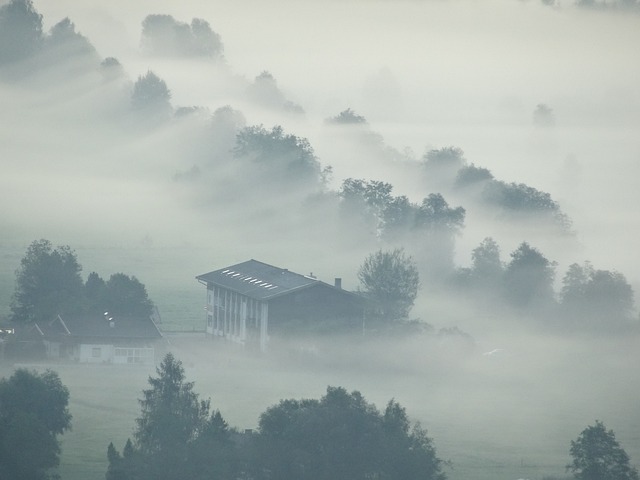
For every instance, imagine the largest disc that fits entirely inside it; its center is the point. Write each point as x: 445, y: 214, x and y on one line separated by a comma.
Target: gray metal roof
x: 97, y: 326
x: 258, y: 280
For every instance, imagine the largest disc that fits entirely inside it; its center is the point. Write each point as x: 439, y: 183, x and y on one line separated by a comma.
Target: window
x: 96, y: 352
x: 135, y: 355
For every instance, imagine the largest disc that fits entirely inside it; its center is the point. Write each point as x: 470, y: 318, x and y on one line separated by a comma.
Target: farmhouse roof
x: 97, y: 326
x: 259, y: 280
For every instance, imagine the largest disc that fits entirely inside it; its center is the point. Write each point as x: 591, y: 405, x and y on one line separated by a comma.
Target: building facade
x: 248, y: 302
x: 96, y: 339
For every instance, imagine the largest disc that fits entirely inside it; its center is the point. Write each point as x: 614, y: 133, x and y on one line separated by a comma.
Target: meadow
x: 492, y: 418
x: 501, y: 417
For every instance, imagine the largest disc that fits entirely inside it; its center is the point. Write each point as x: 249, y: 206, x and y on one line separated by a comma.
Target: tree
x: 64, y: 42
x: 164, y: 36
x: 126, y: 296
x: 597, y: 455
x: 528, y: 278
x: 173, y: 433
x: 443, y: 164
x: 33, y: 413
x: 280, y: 158
x: 597, y: 298
x: 366, y: 202
x: 399, y: 217
x: 347, y: 117
x: 487, y: 268
x: 436, y: 215
x: 265, y: 92
x: 20, y: 31
x: 151, y: 96
x: 342, y: 437
x: 470, y: 175
x: 523, y: 200
x: 48, y: 283
x: 205, y: 41
x: 436, y: 226
x: 391, y: 280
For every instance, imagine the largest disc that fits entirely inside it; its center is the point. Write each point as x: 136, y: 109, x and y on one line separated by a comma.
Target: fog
x: 169, y: 201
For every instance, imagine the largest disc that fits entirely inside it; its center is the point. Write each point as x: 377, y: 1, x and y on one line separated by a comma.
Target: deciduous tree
x: 48, y: 283
x: 285, y: 160
x: 528, y: 278
x: 126, y: 296
x: 391, y: 280
x: 597, y: 455
x: 151, y: 96
x: 20, y: 31
x: 342, y: 437
x: 33, y: 413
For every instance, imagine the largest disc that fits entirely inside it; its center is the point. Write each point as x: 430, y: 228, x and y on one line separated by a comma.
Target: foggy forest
x: 491, y: 144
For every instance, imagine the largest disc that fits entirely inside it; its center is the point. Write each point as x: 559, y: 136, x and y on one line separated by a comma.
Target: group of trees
x: 278, y: 159
x: 22, y: 37
x: 447, y: 168
x: 48, y: 283
x: 264, y: 91
x: 176, y: 435
x: 589, y: 298
x: 163, y: 35
x: 340, y: 436
x: 428, y: 228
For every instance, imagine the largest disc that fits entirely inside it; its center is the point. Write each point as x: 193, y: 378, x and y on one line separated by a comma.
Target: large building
x: 250, y: 301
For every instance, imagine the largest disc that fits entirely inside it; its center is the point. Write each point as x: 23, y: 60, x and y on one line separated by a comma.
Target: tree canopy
x: 597, y: 455
x: 343, y: 437
x: 151, y: 96
x: 33, y: 413
x: 528, y: 278
x: 279, y: 156
x: 391, y: 280
x: 175, y: 435
x: 163, y: 35
x: 596, y: 298
x: 20, y: 31
x: 48, y: 283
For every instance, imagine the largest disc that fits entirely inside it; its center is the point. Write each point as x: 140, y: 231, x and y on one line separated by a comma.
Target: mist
x: 168, y: 200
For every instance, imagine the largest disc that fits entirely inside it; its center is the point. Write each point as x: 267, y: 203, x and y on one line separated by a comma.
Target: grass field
x: 504, y: 418
x: 493, y: 421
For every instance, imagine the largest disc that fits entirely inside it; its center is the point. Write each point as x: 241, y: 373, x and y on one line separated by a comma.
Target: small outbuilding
x: 250, y: 301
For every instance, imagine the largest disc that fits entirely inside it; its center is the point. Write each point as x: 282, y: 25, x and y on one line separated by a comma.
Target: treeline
x: 283, y: 181
x: 339, y: 436
x: 49, y: 283
x: 590, y: 299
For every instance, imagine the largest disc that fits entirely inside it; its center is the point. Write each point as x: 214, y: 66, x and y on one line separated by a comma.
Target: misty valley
x: 312, y: 240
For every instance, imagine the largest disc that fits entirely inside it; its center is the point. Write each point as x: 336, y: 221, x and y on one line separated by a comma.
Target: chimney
x: 338, y: 283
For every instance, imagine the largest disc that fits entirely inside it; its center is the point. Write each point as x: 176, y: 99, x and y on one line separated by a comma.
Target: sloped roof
x: 259, y: 280
x: 97, y: 326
